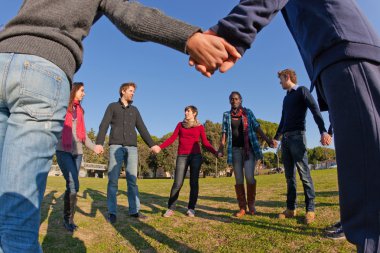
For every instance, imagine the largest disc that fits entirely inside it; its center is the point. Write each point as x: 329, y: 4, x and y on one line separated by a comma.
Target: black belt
x: 291, y: 133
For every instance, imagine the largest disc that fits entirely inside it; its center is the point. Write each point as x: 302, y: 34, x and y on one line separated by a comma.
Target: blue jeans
x: 118, y: 155
x: 33, y: 100
x: 243, y: 167
x: 294, y: 155
x: 352, y: 92
x: 70, y: 166
x: 182, y: 163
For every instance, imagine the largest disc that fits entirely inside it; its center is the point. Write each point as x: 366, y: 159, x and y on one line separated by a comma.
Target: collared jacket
x: 124, y: 121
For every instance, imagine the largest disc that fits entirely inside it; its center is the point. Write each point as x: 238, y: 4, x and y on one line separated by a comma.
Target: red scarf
x: 242, y: 113
x: 67, y: 133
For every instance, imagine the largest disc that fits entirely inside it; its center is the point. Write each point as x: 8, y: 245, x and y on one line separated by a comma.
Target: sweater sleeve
x: 312, y: 105
x: 172, y: 138
x: 141, y: 23
x: 89, y: 143
x: 280, y: 126
x: 145, y: 135
x: 245, y: 20
x: 103, y: 127
x: 205, y: 142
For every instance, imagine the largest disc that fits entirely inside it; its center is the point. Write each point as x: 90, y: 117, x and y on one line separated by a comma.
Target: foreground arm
x: 141, y: 23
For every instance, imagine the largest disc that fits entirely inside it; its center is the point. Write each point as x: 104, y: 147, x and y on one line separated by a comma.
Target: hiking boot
x: 168, y: 213
x: 111, y: 218
x: 337, y: 234
x: 190, y: 213
x: 139, y: 216
x: 334, y: 227
x: 309, y: 217
x: 287, y: 214
x: 240, y: 214
x: 242, y: 202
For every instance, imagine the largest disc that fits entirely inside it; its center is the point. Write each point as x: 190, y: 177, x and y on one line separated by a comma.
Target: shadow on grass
x: 276, y: 203
x: 132, y: 228
x: 152, y: 201
x: 129, y: 227
x: 65, y: 242
x: 327, y: 194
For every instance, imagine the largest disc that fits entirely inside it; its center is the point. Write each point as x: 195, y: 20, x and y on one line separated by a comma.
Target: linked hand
x: 98, y: 149
x: 209, y: 52
x: 155, y: 149
x: 325, y: 139
x: 274, y: 143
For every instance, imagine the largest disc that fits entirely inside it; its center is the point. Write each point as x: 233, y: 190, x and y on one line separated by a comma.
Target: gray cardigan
x: 54, y: 30
x: 76, y: 146
x: 124, y: 121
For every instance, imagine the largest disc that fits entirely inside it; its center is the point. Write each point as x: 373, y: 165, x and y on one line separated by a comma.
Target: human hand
x: 274, y: 143
x: 220, y: 154
x: 270, y: 143
x: 326, y: 139
x: 209, y: 52
x: 155, y: 149
x: 98, y: 149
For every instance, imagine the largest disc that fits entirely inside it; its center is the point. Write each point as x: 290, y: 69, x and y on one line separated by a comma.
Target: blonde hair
x: 125, y: 86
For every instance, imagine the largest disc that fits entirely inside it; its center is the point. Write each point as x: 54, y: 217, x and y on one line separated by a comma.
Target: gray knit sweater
x: 76, y: 145
x: 54, y: 30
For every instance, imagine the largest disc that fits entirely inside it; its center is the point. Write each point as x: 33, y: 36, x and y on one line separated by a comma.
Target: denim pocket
x: 298, y: 146
x: 40, y: 88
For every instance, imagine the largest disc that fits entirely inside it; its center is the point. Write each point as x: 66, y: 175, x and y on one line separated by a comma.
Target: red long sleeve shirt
x: 189, y: 140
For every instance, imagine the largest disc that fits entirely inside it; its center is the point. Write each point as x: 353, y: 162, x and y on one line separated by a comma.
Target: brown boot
x: 287, y: 214
x: 251, y: 198
x: 240, y: 195
x: 309, y: 217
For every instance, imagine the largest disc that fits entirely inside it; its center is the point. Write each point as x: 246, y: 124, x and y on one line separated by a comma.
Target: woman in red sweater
x: 189, y: 154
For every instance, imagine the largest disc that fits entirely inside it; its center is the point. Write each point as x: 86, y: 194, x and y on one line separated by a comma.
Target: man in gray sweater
x: 40, y: 50
x: 124, y: 119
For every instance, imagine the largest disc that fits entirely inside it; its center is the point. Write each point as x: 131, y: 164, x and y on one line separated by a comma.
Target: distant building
x: 86, y: 170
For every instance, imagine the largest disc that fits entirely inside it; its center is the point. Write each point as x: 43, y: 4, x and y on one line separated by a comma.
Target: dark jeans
x: 294, y: 155
x: 70, y: 165
x: 352, y: 93
x: 182, y: 163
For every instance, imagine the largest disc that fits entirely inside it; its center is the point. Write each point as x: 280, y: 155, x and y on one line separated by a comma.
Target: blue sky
x: 166, y: 84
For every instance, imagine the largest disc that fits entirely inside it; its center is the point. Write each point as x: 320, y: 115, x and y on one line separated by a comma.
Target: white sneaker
x: 168, y: 213
x: 190, y: 213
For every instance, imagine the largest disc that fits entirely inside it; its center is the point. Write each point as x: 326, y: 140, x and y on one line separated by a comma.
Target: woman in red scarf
x: 189, y: 132
x: 70, y: 151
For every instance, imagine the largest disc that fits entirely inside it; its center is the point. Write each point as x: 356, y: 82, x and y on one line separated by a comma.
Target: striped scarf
x: 242, y: 113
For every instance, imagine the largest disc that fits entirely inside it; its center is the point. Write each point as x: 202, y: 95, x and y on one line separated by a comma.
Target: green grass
x: 214, y: 229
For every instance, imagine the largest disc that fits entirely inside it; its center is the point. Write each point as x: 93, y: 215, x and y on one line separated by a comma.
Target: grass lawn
x: 214, y: 229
